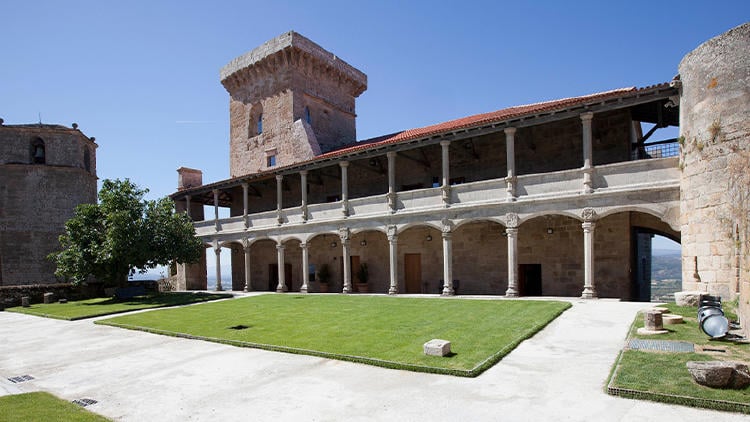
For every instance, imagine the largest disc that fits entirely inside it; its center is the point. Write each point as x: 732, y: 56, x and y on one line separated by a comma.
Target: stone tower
x: 715, y: 133
x: 45, y: 172
x: 290, y: 100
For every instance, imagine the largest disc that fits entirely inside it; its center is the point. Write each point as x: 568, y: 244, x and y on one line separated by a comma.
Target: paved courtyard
x: 134, y: 376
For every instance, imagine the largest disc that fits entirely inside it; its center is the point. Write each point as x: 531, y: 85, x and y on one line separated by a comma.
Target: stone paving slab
x: 661, y: 345
x: 137, y: 376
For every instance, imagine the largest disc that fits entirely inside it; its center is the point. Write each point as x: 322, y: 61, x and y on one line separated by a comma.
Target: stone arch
x: 237, y: 259
x: 407, y: 226
x: 324, y: 249
x: 565, y: 213
x: 423, y: 245
x: 664, y: 214
x: 255, y: 120
x: 262, y: 255
x: 480, y: 257
x: 370, y: 247
x: 465, y: 221
x: 550, y: 255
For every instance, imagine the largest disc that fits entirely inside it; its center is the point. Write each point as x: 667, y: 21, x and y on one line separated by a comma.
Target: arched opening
x: 38, y: 152
x: 263, y: 256
x: 324, y: 257
x: 369, y: 259
x: 480, y: 258
x: 420, y: 260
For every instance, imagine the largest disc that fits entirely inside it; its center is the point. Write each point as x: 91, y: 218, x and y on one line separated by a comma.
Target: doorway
x: 273, y: 277
x: 413, y: 272
x: 530, y: 279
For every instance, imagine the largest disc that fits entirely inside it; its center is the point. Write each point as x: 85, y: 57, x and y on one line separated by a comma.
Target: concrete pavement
x: 558, y: 375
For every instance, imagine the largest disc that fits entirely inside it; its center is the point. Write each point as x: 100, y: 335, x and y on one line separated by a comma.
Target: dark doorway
x: 641, y: 285
x: 530, y: 279
x: 273, y: 277
x: 413, y: 272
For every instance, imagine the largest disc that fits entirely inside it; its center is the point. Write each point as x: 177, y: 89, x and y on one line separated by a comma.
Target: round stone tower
x: 715, y: 163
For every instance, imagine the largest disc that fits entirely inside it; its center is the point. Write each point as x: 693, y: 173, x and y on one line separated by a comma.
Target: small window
x: 260, y: 123
x: 87, y: 160
x: 308, y: 118
x: 271, y: 160
x: 38, y: 153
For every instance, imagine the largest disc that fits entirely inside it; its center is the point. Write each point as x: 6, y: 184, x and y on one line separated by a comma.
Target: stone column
x: 587, y: 151
x: 447, y: 260
x: 187, y: 206
x: 392, y: 197
x: 510, y: 153
x: 305, y: 269
x: 393, y: 259
x: 446, y: 186
x: 589, y: 285
x: 303, y: 189
x: 344, y: 187
x: 246, y: 249
x: 511, y: 230
x: 217, y: 251
x: 245, y: 206
x: 279, y: 205
x: 281, y: 287
x: 216, y: 209
x: 345, y: 240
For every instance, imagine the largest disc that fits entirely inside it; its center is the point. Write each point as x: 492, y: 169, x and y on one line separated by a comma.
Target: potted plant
x: 324, y: 274
x: 362, y: 276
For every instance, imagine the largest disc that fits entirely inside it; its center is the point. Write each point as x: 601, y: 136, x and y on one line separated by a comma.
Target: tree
x: 124, y: 234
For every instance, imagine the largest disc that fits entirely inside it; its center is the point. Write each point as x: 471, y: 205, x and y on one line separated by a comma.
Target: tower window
x: 87, y: 160
x: 271, y: 160
x: 38, y: 153
x: 308, y: 118
x: 260, y: 123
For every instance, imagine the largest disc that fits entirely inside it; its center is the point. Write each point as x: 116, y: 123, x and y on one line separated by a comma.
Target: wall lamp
x: 549, y: 230
x: 333, y: 244
x: 429, y: 238
x: 363, y: 243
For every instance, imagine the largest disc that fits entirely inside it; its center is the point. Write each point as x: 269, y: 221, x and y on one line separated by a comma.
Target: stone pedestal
x: 652, y: 321
x: 25, y: 301
x: 49, y: 297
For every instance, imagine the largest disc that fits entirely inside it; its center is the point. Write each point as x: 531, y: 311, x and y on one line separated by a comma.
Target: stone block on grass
x: 437, y: 347
x: 49, y: 297
x: 687, y: 298
x: 720, y: 374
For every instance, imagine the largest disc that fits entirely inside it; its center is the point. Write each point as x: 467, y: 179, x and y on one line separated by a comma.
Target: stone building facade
x: 541, y: 199
x: 45, y: 171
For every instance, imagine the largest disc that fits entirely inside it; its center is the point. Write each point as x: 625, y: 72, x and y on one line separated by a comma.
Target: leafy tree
x: 124, y: 234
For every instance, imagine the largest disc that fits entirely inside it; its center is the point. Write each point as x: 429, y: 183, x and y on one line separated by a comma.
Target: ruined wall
x: 715, y: 127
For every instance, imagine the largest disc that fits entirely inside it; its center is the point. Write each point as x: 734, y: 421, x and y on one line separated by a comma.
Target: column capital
x: 511, y: 220
x: 391, y: 154
x: 217, y: 250
x: 509, y: 131
x: 588, y: 214
x: 215, y: 191
x: 445, y: 143
x: 303, y: 245
x: 188, y: 197
x: 245, y: 185
x: 279, y: 177
x: 588, y: 226
x: 344, y: 234
x: 343, y: 164
x: 279, y: 246
x: 303, y: 172
x: 511, y: 231
x: 587, y: 116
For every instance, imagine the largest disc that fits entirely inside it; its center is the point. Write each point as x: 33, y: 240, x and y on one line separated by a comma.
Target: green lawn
x: 106, y: 306
x: 43, y: 407
x: 663, y: 376
x: 378, y: 330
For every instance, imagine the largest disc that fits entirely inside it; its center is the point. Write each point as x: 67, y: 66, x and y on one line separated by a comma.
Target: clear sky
x: 143, y: 76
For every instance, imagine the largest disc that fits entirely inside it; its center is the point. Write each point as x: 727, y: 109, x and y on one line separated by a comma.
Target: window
x: 308, y: 118
x: 38, y: 153
x: 260, y: 123
x: 87, y: 160
x: 271, y: 160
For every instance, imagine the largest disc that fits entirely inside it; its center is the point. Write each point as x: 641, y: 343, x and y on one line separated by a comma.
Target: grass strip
x: 90, y: 308
x: 382, y: 331
x: 663, y: 376
x: 43, y: 407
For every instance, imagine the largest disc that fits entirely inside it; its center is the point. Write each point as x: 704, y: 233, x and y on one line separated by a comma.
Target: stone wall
x: 714, y: 126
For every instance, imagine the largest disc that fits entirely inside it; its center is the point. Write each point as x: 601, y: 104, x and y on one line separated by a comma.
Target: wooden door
x: 413, y: 272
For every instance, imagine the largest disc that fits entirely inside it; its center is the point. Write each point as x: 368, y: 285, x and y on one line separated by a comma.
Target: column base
x: 346, y: 290
x: 511, y: 293
x: 448, y: 292
x: 588, y: 293
x: 303, y: 289
x: 246, y: 289
x: 393, y: 291
x: 219, y: 288
x: 281, y: 290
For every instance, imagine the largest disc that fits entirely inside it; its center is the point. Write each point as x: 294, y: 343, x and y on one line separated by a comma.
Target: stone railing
x: 619, y: 177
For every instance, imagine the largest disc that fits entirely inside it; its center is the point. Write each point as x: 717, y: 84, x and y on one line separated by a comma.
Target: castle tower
x: 715, y: 132
x: 45, y: 172
x: 290, y: 100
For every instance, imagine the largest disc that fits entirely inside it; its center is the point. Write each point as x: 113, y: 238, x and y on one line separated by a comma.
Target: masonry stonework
x: 45, y: 172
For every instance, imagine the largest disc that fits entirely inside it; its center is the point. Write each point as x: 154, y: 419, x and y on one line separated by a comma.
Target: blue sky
x: 142, y: 76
